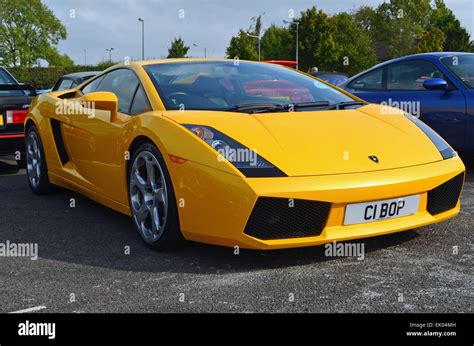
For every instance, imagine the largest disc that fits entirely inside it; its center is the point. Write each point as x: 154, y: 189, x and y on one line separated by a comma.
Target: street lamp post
x: 110, y: 53
x: 259, y: 38
x: 297, y: 39
x: 143, y: 37
x: 205, y: 50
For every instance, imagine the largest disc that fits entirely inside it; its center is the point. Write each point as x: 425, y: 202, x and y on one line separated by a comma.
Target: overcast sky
x: 94, y: 25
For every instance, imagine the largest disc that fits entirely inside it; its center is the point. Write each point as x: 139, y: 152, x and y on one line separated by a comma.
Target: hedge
x: 45, y: 77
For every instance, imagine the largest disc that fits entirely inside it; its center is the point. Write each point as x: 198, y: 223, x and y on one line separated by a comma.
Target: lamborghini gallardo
x: 240, y: 153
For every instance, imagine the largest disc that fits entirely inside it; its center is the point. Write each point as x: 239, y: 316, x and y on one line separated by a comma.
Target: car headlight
x: 443, y: 147
x: 244, y: 159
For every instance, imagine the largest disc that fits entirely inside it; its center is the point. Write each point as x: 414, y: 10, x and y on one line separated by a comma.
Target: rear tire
x: 36, y: 169
x: 152, y: 200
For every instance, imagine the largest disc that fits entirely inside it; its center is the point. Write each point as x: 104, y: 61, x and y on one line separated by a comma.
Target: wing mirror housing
x: 435, y: 84
x: 101, y: 100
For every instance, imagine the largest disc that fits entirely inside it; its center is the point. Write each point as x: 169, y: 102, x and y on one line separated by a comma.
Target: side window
x: 140, y: 102
x: 410, y: 75
x: 123, y: 83
x: 65, y: 84
x: 368, y: 81
x: 92, y: 86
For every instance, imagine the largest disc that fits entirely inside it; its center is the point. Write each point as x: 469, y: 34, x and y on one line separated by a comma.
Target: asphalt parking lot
x: 82, y: 265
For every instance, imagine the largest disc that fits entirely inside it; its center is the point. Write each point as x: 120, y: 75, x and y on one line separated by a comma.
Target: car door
x: 461, y: 68
x: 469, y: 144
x: 402, y: 87
x: 96, y: 142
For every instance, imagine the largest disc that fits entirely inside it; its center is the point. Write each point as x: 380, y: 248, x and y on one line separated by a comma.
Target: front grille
x: 280, y: 218
x: 445, y: 196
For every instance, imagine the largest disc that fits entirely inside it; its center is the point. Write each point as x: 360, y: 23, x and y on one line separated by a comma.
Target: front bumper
x: 214, y: 207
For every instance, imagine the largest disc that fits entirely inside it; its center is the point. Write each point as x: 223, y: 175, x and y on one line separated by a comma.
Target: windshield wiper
x: 342, y: 105
x: 254, y: 107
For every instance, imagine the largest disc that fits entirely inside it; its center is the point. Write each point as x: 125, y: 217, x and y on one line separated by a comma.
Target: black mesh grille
x: 445, y: 196
x: 280, y: 218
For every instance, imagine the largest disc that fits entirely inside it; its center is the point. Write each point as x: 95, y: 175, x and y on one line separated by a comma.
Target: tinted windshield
x: 463, y: 67
x: 6, y: 79
x: 334, y: 79
x: 219, y: 85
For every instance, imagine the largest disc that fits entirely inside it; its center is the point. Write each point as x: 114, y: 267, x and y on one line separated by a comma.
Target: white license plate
x: 381, y: 210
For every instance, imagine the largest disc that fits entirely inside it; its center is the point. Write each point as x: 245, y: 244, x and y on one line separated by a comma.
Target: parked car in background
x: 287, y: 63
x: 15, y: 99
x: 72, y: 80
x: 437, y: 87
x: 335, y: 78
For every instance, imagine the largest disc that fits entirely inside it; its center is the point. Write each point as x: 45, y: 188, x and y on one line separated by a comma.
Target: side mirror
x: 435, y: 84
x: 101, y: 100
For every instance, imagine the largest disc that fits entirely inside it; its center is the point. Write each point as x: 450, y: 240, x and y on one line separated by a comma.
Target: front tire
x: 152, y: 200
x: 36, y: 169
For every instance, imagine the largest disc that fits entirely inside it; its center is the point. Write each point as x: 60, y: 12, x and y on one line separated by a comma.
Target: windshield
x: 463, y: 67
x: 6, y: 79
x: 334, y: 79
x: 222, y: 85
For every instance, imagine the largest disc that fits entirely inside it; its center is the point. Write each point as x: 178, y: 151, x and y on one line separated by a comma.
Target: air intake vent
x: 445, y: 196
x: 281, y: 218
x: 58, y: 140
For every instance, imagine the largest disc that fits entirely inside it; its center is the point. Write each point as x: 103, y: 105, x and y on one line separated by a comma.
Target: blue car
x: 437, y: 87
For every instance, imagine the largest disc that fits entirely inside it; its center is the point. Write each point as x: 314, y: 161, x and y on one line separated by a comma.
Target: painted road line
x: 33, y: 309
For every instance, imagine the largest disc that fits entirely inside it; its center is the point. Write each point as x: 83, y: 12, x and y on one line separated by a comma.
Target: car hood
x: 324, y: 142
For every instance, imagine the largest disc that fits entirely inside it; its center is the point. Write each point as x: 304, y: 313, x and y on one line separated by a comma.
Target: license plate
x: 381, y: 210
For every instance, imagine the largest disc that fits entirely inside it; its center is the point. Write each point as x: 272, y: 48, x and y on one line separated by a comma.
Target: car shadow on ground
x: 92, y: 235
x: 8, y: 167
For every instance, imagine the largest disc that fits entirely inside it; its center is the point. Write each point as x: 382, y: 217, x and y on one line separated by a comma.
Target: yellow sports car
x: 240, y: 153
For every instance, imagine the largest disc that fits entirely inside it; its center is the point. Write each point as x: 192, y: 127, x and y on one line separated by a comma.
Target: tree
x: 28, y: 31
x: 403, y: 27
x: 242, y: 45
x: 457, y: 38
x: 432, y: 41
x: 54, y: 58
x: 278, y: 44
x: 177, y: 49
x: 355, y: 49
x: 316, y: 40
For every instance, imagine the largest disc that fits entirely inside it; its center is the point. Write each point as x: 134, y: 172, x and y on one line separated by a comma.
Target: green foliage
x: 457, y: 38
x: 432, y: 41
x: 335, y: 43
x: 355, y: 49
x: 316, y: 40
x: 56, y: 59
x: 243, y: 46
x: 104, y: 65
x: 29, y: 31
x: 177, y: 49
x: 404, y: 27
x: 278, y: 44
x: 45, y: 77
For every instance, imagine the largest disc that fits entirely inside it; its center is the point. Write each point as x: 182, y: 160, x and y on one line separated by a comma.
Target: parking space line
x: 33, y: 309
